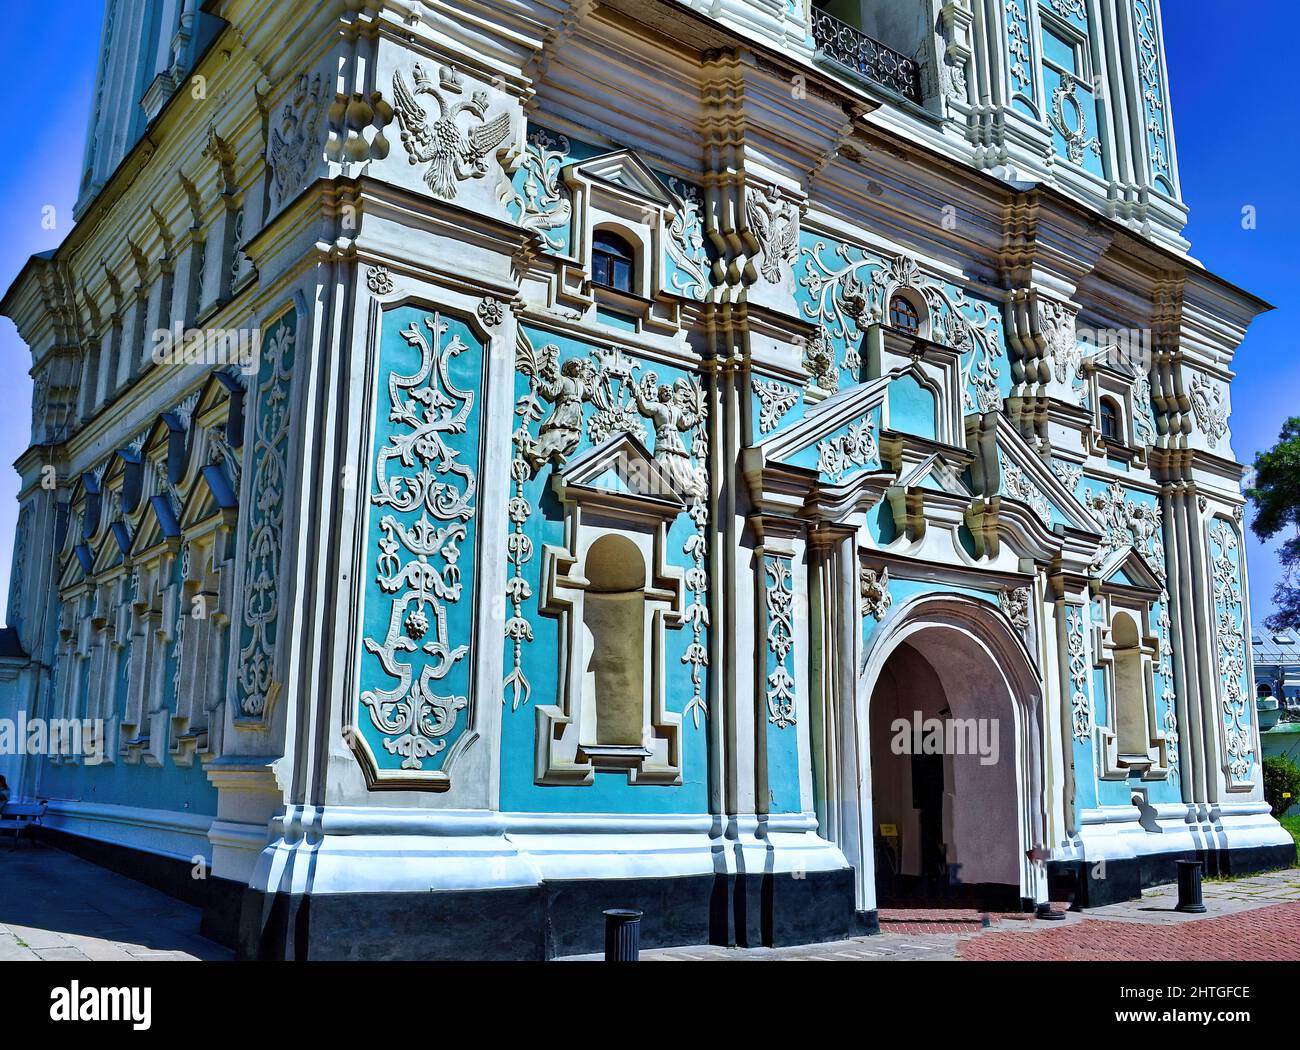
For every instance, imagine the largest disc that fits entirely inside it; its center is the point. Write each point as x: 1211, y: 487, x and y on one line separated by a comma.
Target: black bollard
x: 622, y: 935
x: 1189, y: 887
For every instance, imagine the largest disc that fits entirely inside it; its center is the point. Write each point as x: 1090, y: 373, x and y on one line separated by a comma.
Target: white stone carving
x: 1014, y: 602
x: 1229, y: 615
x: 685, y: 241
x: 1069, y: 473
x: 674, y: 410
x: 261, y: 604
x: 774, y: 401
x: 567, y: 387
x: 1073, y: 127
x: 1016, y: 484
x: 1070, y: 9
x: 1126, y: 523
x: 379, y: 280
x: 857, y: 448
x: 697, y: 613
x: 774, y: 223
x: 614, y: 397
x: 1209, y: 407
x: 292, y: 141
x: 873, y: 592
x: 1057, y: 322
x: 1166, y: 672
x: 519, y: 548
x: 1019, y: 47
x: 819, y: 360
x: 543, y: 203
x: 780, y: 640
x: 453, y: 152
x: 1076, y: 654
x: 1144, y: 423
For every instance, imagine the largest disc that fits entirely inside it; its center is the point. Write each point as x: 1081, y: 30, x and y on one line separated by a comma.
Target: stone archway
x: 958, y: 660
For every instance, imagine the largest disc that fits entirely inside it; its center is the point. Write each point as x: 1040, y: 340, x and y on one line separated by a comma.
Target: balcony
x: 866, y: 56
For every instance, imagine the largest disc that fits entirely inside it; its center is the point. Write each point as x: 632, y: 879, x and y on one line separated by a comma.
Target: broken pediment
x: 836, y: 438
x: 1006, y: 465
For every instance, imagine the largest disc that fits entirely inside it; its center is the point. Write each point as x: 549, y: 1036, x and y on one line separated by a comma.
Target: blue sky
x: 1231, y: 148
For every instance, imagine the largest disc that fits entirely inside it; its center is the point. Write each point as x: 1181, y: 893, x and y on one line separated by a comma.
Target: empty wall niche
x: 1130, y: 691
x: 614, y: 620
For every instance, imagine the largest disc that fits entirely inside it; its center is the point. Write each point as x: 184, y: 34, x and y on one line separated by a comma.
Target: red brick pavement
x: 932, y: 920
x: 1266, y: 934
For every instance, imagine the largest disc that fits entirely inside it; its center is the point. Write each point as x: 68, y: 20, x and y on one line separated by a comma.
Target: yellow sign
x: 889, y: 831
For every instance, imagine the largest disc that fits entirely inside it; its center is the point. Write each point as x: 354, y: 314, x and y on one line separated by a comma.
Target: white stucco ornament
x: 775, y: 225
x: 453, y: 152
x: 873, y: 589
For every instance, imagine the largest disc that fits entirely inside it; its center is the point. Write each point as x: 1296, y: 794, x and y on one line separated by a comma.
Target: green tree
x: 1276, y: 495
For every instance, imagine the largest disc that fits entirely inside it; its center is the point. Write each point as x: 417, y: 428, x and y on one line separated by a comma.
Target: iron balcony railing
x: 851, y: 47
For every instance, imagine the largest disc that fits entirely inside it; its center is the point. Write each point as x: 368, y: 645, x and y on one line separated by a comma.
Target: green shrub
x: 1281, y: 776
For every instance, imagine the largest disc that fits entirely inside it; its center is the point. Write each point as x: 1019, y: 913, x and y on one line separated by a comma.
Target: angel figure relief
x: 452, y: 152
x: 674, y: 410
x: 568, y: 387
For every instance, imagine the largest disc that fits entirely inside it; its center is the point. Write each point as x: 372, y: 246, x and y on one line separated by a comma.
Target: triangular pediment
x: 625, y: 171
x: 1126, y: 569
x: 619, y: 468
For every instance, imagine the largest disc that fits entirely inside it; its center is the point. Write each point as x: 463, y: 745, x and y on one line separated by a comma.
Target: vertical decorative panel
x: 1151, y: 83
x: 417, y: 623
x: 1229, y: 631
x: 780, y: 690
x: 264, y: 532
x: 1020, y: 57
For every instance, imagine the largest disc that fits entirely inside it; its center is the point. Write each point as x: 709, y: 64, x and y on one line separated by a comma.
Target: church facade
x: 749, y: 462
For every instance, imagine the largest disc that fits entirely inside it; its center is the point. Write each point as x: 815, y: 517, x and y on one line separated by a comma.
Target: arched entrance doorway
x: 948, y: 757
x: 943, y: 777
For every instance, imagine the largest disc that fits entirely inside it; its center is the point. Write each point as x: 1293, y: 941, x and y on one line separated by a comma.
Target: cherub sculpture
x: 567, y: 388
x: 674, y: 410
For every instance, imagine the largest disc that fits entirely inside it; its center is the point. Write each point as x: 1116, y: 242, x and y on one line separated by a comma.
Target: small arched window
x: 1109, y: 412
x: 903, y: 315
x: 613, y: 261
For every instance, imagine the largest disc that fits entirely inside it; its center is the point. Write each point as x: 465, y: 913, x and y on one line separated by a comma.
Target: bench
x: 21, y: 816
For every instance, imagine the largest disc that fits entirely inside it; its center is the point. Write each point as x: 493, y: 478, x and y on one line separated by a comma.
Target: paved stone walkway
x: 1257, y: 917
x: 55, y: 906
x: 59, y: 907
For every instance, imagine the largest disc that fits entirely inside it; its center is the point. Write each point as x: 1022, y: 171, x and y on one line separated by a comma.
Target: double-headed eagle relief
x: 453, y: 152
x: 774, y: 222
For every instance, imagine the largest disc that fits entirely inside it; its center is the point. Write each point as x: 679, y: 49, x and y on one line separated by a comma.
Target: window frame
x: 617, y: 249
